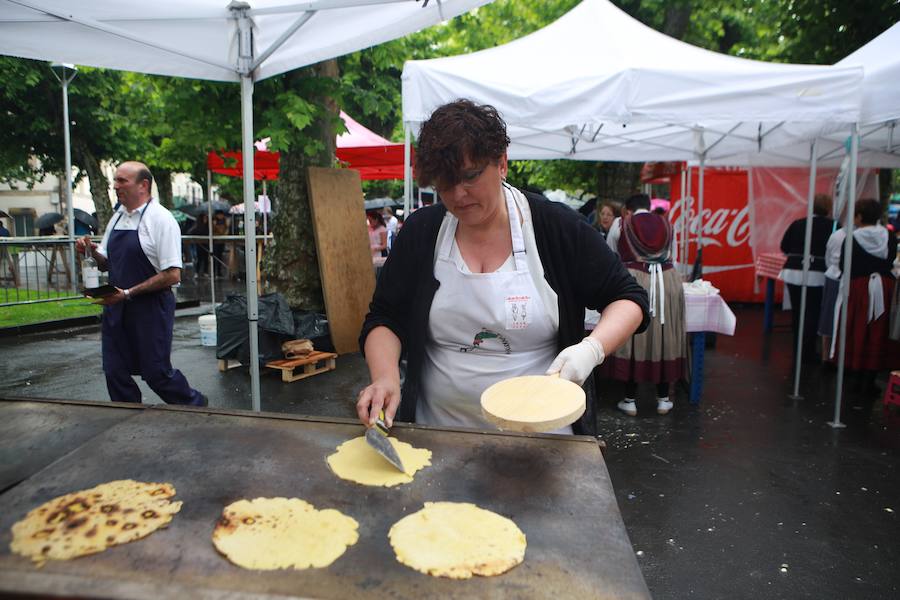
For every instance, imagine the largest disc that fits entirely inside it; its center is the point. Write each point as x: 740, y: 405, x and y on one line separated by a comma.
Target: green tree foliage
x: 31, y: 121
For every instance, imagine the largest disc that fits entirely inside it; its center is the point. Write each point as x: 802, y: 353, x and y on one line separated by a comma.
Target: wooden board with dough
x: 342, y: 245
x: 533, y: 403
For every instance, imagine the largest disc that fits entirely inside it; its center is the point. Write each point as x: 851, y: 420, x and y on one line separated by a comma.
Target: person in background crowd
x: 390, y: 221
x: 490, y: 284
x: 606, y: 214
x: 4, y: 232
x: 869, y: 348
x: 201, y: 227
x: 792, y: 274
x: 643, y: 241
x: 141, y: 249
x: 377, y: 236
x: 219, y: 227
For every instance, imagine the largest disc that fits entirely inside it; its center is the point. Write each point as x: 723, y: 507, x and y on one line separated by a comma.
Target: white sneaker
x: 628, y: 407
x: 663, y: 406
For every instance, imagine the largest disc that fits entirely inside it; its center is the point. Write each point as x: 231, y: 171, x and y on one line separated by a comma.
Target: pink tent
x: 369, y: 153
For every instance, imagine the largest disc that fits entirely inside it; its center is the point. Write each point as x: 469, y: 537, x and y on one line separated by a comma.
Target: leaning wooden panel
x: 342, y: 243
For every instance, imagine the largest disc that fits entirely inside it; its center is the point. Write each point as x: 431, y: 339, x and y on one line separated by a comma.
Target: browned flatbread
x: 90, y: 521
x: 282, y: 533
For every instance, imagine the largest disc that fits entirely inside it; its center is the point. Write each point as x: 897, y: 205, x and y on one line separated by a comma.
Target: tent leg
x: 845, y: 276
x: 250, y: 235
x: 807, y: 243
x: 70, y: 206
x: 210, y: 262
x: 699, y: 272
x: 407, y: 171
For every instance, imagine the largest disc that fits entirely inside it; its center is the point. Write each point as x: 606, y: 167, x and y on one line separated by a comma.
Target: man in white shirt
x: 141, y: 249
x: 390, y: 222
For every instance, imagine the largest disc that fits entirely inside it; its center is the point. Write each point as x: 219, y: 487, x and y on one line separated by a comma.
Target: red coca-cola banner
x: 727, y: 254
x: 736, y: 228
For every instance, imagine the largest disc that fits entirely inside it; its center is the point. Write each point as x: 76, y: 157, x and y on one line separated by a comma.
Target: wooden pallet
x: 313, y: 364
x: 228, y: 363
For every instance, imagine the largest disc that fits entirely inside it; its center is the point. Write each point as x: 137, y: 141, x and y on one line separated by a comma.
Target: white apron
x: 482, y: 328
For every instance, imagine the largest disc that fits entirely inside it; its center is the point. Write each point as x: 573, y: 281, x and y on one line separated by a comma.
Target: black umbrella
x: 217, y: 206
x: 381, y: 203
x: 191, y: 209
x: 47, y: 220
x: 82, y: 216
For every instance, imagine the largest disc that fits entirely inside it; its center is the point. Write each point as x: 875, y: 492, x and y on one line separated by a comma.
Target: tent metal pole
x: 845, y: 276
x: 407, y: 170
x: 264, y: 205
x: 64, y: 78
x: 807, y: 244
x: 684, y: 222
x: 690, y: 206
x: 250, y: 236
x: 210, y: 261
x: 244, y: 64
x: 700, y: 215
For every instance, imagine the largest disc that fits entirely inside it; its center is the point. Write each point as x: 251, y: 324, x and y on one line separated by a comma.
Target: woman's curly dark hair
x: 454, y: 132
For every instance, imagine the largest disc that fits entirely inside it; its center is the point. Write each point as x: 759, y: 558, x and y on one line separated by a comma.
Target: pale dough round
x: 282, y: 533
x: 90, y: 521
x: 533, y: 403
x: 356, y: 461
x: 457, y: 540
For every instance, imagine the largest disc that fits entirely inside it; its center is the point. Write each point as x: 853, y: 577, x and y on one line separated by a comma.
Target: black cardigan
x: 578, y: 265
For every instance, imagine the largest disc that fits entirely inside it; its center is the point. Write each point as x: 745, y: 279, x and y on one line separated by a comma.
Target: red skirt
x: 868, y: 345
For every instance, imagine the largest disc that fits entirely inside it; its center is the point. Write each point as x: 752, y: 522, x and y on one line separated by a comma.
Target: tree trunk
x: 618, y: 180
x: 99, y: 184
x: 291, y: 264
x: 678, y: 17
x: 163, y: 178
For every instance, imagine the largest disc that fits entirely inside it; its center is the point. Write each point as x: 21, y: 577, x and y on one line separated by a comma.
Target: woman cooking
x: 488, y: 285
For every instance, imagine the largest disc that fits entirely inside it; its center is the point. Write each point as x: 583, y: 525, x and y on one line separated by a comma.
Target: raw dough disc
x: 356, y: 461
x: 533, y: 403
x: 90, y: 521
x: 282, y: 533
x: 457, y: 540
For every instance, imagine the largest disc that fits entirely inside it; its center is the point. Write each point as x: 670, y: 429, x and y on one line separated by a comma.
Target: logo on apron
x: 487, y: 334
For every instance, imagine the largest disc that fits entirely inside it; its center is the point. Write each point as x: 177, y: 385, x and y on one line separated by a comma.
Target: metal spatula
x: 377, y: 438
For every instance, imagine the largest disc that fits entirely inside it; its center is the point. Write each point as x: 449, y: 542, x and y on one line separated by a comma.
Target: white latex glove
x: 575, y: 363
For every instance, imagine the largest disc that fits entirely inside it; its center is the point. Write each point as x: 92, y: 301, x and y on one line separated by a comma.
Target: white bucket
x: 207, y: 330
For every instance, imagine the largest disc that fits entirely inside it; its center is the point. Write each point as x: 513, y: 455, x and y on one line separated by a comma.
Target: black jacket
x: 793, y: 240
x: 577, y: 262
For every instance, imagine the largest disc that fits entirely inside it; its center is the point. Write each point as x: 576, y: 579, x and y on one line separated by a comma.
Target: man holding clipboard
x: 141, y: 249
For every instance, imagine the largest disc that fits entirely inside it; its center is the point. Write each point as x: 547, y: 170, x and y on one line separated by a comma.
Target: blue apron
x: 137, y: 333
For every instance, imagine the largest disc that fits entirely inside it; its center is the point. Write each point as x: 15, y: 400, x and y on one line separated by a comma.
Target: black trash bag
x: 275, y: 326
x: 313, y: 327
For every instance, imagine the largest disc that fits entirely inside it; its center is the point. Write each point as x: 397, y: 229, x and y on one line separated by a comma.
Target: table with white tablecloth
x: 705, y: 312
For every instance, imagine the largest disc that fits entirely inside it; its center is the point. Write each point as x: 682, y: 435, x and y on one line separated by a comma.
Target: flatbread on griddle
x: 90, y: 521
x: 457, y: 540
x: 356, y: 461
x: 282, y: 533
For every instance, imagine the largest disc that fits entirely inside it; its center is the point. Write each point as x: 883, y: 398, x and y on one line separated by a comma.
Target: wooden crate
x: 315, y: 363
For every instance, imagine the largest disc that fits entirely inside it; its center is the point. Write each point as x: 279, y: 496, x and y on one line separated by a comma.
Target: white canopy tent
x: 209, y: 39
x: 599, y: 85
x: 877, y: 145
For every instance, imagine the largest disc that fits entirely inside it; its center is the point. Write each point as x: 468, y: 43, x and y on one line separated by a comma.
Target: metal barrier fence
x: 37, y: 269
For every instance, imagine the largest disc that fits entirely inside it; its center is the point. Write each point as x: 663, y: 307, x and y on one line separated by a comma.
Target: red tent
x: 226, y: 162
x: 359, y: 148
x: 369, y: 153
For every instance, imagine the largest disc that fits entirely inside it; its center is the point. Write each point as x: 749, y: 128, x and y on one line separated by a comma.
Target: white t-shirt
x: 158, y: 233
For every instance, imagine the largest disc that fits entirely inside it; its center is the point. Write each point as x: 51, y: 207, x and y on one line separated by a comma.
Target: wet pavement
x: 749, y: 495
